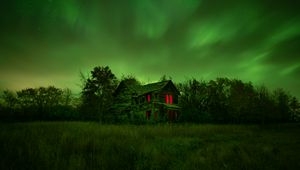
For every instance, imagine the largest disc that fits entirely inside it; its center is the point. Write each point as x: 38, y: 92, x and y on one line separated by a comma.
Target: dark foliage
x: 41, y: 103
x: 233, y: 101
x: 97, y: 94
x: 217, y: 101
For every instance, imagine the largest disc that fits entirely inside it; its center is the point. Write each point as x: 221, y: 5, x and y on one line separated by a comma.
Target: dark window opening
x: 148, y: 114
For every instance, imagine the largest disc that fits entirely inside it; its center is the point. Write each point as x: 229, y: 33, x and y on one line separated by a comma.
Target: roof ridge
x: 157, y: 82
x: 147, y: 88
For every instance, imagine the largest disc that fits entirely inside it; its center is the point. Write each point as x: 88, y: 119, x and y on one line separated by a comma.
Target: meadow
x: 90, y: 145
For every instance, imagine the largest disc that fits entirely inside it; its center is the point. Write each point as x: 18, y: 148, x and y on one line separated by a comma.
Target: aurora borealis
x: 48, y: 42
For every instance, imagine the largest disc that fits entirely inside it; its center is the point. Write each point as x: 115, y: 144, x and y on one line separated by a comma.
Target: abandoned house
x: 158, y: 101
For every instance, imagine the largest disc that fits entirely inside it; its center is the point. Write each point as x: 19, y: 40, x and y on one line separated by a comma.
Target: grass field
x: 83, y: 145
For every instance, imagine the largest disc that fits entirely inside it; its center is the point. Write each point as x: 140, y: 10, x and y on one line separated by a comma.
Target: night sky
x: 48, y: 42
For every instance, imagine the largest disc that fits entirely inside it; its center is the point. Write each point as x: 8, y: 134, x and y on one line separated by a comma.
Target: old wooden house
x: 158, y: 101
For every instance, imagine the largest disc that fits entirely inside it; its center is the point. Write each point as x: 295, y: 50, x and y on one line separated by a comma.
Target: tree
x: 264, y: 105
x: 193, y: 101
x: 8, y: 104
x: 165, y: 78
x: 27, y: 101
x: 218, y: 93
x: 42, y: 102
x: 97, y: 94
x: 281, y: 99
x: 2, y: 107
x: 48, y: 101
x: 130, y: 80
x: 241, y: 100
x: 9, y: 98
x: 295, y: 109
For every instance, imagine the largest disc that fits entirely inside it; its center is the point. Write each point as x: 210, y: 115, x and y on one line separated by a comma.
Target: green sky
x: 48, y: 42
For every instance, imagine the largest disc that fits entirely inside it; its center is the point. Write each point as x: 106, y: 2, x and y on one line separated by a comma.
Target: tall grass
x: 83, y: 145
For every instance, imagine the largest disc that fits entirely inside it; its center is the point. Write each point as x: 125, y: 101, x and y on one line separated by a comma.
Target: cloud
x: 51, y: 41
x: 285, y: 52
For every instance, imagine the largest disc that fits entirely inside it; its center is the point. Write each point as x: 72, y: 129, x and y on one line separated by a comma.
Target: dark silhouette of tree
x: 67, y: 97
x: 2, y: 108
x: 295, y: 109
x: 241, y: 101
x: 217, y: 101
x: 165, y: 78
x: 97, y: 94
x: 130, y: 80
x: 281, y: 99
x: 43, y: 102
x: 264, y: 105
x: 194, y: 101
x: 218, y: 92
x: 10, y: 98
x: 27, y: 99
x: 8, y: 105
x: 233, y: 101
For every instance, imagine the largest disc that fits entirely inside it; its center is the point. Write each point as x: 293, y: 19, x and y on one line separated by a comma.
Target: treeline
x: 232, y: 101
x: 43, y: 103
x: 217, y: 101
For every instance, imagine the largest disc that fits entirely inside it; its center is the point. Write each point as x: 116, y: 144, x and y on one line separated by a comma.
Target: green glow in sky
x: 48, y: 42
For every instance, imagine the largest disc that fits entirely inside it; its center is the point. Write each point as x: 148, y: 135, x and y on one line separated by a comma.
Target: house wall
x: 152, y: 108
x: 168, y: 90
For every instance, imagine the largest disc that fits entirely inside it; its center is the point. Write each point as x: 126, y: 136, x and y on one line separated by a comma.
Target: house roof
x: 143, y: 89
x: 153, y: 87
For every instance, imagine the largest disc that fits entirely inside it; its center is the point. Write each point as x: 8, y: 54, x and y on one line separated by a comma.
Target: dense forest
x: 216, y: 101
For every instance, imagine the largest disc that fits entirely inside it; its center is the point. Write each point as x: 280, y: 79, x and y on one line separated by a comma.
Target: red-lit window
x: 167, y: 99
x: 148, y: 98
x: 171, y: 99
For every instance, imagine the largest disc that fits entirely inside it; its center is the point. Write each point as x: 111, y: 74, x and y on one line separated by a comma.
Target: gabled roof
x: 143, y: 89
x: 153, y: 87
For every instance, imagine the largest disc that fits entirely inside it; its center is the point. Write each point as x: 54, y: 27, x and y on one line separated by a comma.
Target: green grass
x: 83, y: 145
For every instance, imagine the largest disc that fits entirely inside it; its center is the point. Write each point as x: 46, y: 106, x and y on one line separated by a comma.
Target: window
x: 148, y: 114
x: 148, y: 98
x: 167, y: 99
